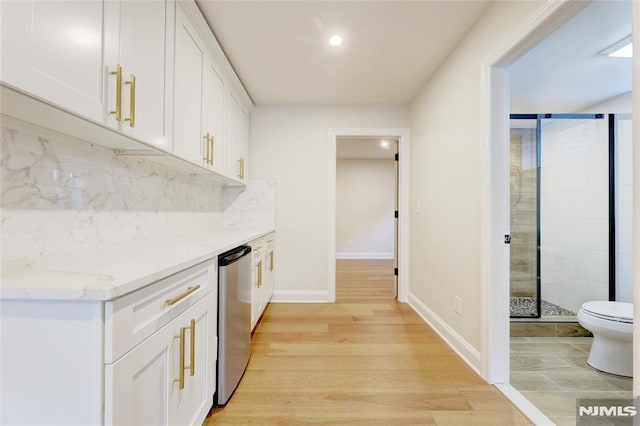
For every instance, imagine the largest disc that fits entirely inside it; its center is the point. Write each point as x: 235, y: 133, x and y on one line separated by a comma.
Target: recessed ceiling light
x: 384, y: 144
x: 335, y: 40
x: 620, y: 49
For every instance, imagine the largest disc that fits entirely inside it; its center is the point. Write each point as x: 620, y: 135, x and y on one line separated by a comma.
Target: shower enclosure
x: 563, y: 212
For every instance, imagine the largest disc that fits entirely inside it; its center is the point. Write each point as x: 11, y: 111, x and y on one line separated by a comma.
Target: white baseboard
x: 468, y: 353
x: 300, y: 296
x: 364, y: 255
x: 523, y: 404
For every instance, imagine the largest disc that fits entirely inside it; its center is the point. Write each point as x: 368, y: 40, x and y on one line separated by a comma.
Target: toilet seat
x: 610, y: 311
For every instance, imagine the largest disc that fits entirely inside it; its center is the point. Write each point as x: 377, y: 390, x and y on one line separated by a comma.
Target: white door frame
x: 402, y: 134
x: 494, y: 181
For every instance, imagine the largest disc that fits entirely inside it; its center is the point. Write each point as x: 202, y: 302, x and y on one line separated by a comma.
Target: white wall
x: 365, y: 192
x: 616, y: 105
x: 290, y: 145
x: 447, y: 133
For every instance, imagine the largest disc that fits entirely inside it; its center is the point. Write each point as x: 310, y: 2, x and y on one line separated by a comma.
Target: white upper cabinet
x: 189, y: 143
x: 213, y: 93
x: 92, y: 58
x: 237, y: 139
x: 243, y: 142
x: 54, y: 51
x: 150, y: 70
x: 234, y: 165
x: 199, y: 105
x: 136, y: 33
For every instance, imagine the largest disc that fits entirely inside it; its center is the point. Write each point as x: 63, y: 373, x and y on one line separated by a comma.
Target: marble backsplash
x: 252, y: 206
x: 59, y: 194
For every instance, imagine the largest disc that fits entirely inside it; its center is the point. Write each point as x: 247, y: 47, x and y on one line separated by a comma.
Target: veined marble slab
x: 79, y: 222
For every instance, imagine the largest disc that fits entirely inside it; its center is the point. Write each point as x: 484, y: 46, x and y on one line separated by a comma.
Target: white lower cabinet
x: 270, y: 267
x: 262, y: 276
x: 167, y: 379
x: 257, y: 274
x: 146, y: 358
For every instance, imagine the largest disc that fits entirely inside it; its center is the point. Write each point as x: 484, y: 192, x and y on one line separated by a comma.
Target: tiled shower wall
x: 523, y: 194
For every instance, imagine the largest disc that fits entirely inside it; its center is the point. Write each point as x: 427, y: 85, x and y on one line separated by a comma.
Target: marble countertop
x: 112, y: 271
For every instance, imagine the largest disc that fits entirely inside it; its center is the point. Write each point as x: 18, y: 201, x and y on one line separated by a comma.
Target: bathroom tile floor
x: 552, y: 372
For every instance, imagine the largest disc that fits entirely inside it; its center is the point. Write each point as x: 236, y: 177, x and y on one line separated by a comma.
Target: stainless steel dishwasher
x: 234, y: 320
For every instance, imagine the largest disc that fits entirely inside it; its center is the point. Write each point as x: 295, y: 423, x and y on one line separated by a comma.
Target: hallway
x: 365, y: 360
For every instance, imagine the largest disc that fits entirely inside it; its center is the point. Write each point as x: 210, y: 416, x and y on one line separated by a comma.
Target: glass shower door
x: 574, y: 212
x: 560, y: 203
x: 523, y: 181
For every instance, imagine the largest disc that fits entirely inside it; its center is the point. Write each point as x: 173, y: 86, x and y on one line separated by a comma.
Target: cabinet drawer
x: 258, y: 246
x: 134, y: 317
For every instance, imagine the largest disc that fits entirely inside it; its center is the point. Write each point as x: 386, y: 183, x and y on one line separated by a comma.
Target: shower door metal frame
x: 612, y: 226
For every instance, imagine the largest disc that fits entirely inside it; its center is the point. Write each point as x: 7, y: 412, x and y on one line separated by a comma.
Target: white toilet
x: 612, y: 326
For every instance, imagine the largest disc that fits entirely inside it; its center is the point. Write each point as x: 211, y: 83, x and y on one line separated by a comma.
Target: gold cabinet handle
x: 176, y: 299
x: 132, y: 101
x: 260, y: 274
x: 182, y: 336
x: 240, y: 168
x: 211, y: 141
x: 118, y: 74
x: 192, y: 348
x: 271, y: 261
x: 207, y: 147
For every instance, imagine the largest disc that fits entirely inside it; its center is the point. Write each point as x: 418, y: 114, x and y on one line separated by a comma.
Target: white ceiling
x: 281, y: 53
x: 564, y: 73
x: 365, y: 148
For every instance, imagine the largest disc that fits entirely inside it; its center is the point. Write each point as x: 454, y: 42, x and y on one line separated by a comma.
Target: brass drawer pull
x: 211, y: 142
x: 182, y: 336
x: 192, y: 348
x: 176, y: 299
x: 132, y: 101
x: 183, y: 349
x: 207, y: 148
x: 118, y: 110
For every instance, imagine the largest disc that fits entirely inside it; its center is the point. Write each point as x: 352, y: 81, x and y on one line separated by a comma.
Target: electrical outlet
x: 456, y: 304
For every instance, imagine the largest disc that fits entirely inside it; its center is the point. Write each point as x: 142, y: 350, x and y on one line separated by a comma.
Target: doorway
x: 366, y: 206
x: 396, y: 224
x: 496, y: 190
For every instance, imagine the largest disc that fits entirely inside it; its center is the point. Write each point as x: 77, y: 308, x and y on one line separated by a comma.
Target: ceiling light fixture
x: 620, y: 49
x: 335, y: 40
x: 384, y: 144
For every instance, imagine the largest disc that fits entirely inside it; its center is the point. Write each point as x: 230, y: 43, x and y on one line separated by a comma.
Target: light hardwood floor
x: 364, y: 360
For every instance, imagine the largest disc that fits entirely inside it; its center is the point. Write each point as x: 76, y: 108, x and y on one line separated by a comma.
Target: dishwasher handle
x: 233, y: 255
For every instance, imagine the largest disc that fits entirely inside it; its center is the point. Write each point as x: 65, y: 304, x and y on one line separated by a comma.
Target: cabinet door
x: 257, y: 279
x: 143, y: 386
x: 137, y: 386
x: 54, y: 51
x: 135, y: 38
x: 213, y: 95
x: 270, y: 274
x: 233, y: 160
x: 188, y: 142
x: 190, y: 405
x: 243, y: 142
